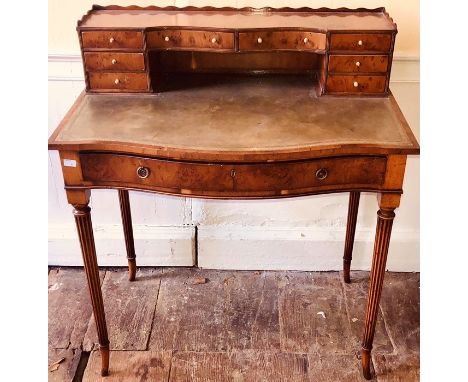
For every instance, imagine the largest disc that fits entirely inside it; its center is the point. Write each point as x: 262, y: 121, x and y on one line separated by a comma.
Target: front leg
x: 82, y: 213
x: 385, y: 217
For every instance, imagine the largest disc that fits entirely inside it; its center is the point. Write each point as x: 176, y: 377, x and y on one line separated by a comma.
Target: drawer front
x: 281, y: 40
x: 114, y: 61
x: 189, y: 39
x: 112, y: 39
x: 356, y: 84
x: 358, y: 64
x: 120, y: 81
x: 224, y: 180
x: 361, y: 42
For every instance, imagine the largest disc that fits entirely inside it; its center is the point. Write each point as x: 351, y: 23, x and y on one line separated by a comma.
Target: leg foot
x: 131, y: 269
x: 124, y: 201
x: 350, y: 231
x: 365, y: 362
x: 104, y: 349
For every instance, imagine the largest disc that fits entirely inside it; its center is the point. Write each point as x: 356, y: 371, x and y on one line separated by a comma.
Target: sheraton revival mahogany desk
x: 236, y: 104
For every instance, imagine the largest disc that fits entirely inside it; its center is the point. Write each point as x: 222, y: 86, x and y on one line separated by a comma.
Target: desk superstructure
x: 235, y: 104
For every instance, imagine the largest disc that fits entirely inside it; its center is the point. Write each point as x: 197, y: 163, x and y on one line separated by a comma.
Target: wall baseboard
x: 305, y: 249
x: 154, y: 246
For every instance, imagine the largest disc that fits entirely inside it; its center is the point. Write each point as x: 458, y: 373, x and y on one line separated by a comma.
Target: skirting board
x: 154, y: 246
x: 307, y: 249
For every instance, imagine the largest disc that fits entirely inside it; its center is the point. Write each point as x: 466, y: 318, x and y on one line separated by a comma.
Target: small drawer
x: 281, y: 40
x: 121, y: 81
x: 190, y: 39
x: 361, y: 42
x: 358, y: 64
x: 112, y: 40
x: 114, y: 61
x: 231, y: 179
x: 356, y: 84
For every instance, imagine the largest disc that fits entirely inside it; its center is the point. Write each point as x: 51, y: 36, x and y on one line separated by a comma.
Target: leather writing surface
x: 243, y: 113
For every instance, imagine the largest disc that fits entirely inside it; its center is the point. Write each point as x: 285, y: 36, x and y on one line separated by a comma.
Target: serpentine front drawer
x: 171, y: 39
x: 282, y: 40
x: 233, y: 179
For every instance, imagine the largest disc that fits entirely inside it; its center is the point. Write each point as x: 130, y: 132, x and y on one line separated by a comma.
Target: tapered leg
x: 128, y: 232
x: 82, y: 214
x: 350, y: 231
x: 385, y: 218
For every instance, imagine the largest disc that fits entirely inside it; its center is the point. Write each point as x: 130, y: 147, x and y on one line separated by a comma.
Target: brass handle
x: 355, y: 84
x: 321, y: 174
x: 259, y: 40
x: 166, y: 38
x: 358, y: 64
x: 111, y: 40
x: 213, y: 40
x: 143, y: 172
x: 359, y: 42
x: 117, y: 81
x: 306, y: 40
x: 114, y: 61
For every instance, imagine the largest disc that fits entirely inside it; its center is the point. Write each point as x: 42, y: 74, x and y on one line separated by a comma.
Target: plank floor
x: 188, y: 324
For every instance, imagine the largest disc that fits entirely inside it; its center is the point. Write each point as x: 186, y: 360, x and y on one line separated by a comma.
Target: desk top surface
x: 236, y: 118
x: 231, y: 18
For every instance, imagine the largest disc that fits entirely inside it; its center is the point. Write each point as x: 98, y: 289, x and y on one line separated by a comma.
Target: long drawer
x: 225, y: 179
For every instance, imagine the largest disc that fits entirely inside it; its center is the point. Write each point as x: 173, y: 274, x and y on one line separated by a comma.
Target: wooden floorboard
x: 187, y: 324
x: 63, y: 364
x: 313, y: 314
x: 129, y: 366
x: 356, y: 302
x: 231, y: 310
x: 129, y: 308
x: 247, y: 365
x: 69, y: 307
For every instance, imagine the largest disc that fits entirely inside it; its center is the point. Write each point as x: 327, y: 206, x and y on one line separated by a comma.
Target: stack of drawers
x: 359, y: 63
x: 115, y: 61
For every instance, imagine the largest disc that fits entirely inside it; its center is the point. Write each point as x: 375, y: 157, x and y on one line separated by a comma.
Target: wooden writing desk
x: 232, y: 103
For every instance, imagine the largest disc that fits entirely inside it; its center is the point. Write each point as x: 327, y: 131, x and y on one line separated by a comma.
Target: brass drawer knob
x: 111, y: 40
x: 355, y: 84
x: 117, y: 81
x: 259, y: 40
x: 143, y: 172
x: 321, y: 173
x: 166, y: 38
x: 306, y: 40
x: 358, y: 64
x: 359, y: 42
x: 213, y: 40
x: 114, y: 61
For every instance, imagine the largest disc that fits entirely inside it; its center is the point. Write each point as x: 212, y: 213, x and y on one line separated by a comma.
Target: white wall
x: 299, y: 233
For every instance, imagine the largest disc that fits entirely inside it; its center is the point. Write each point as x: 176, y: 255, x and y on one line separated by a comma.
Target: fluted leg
x: 82, y: 214
x: 350, y: 231
x: 385, y: 218
x: 128, y: 232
